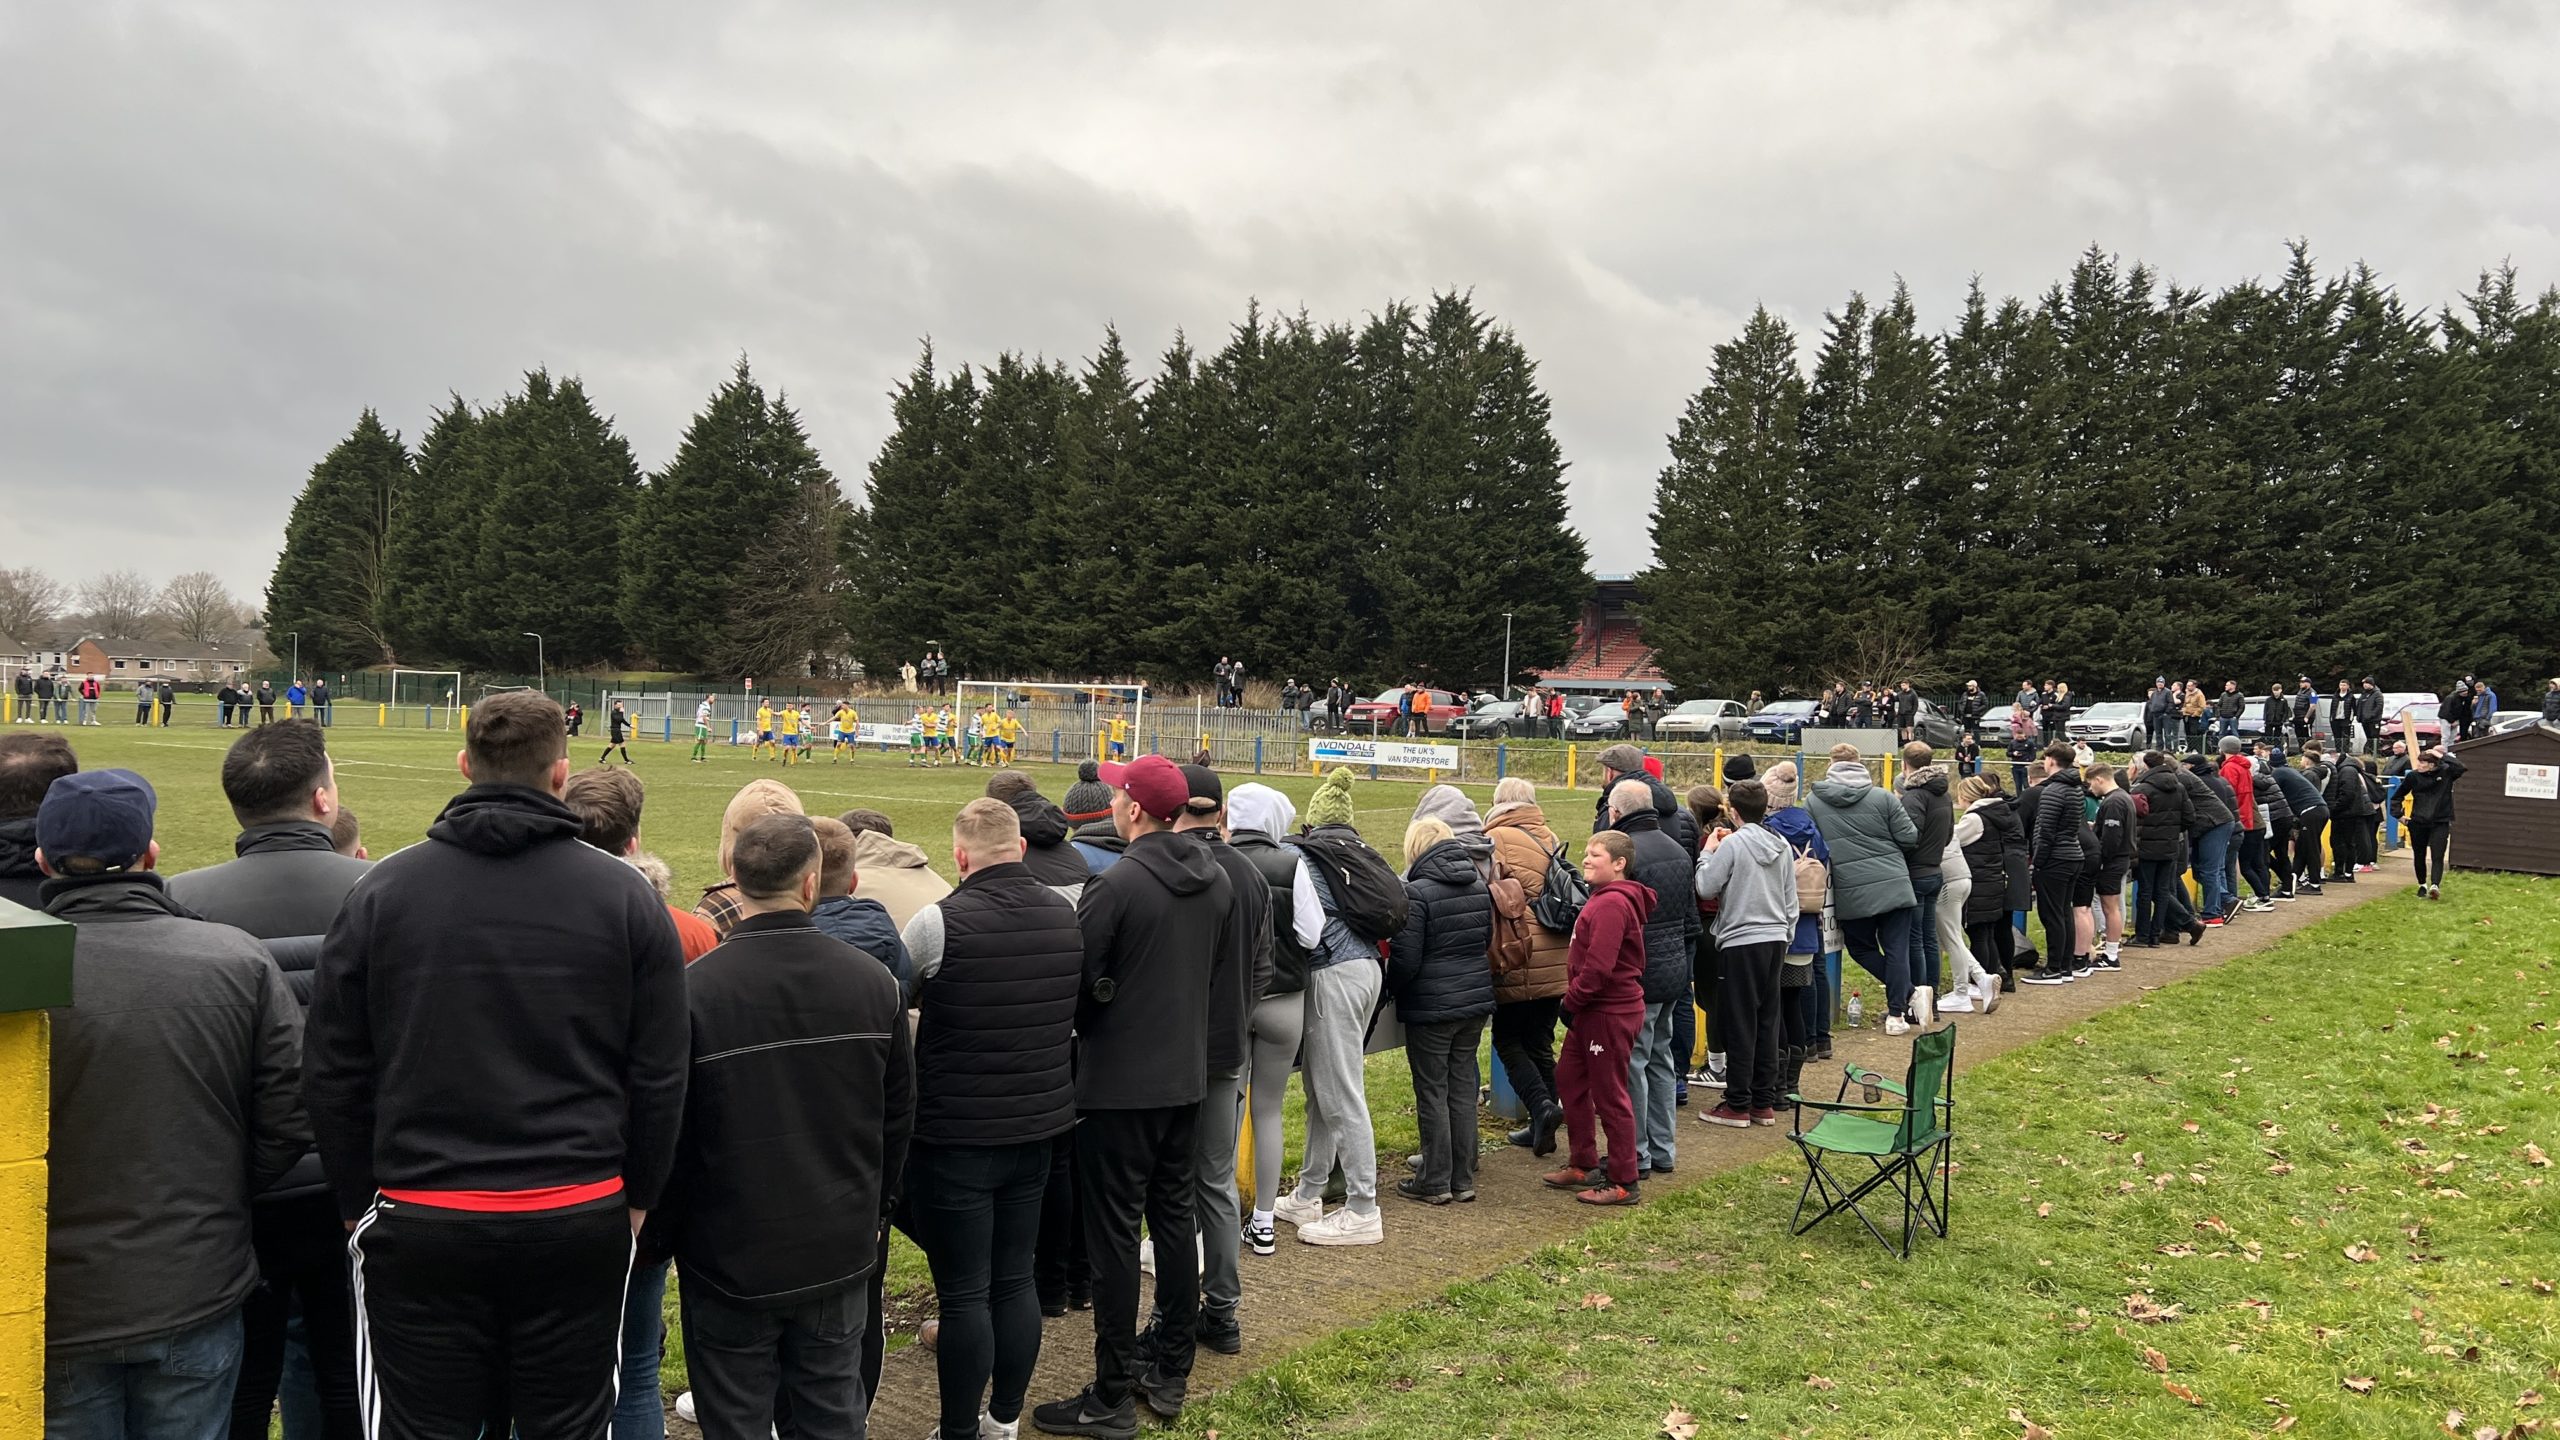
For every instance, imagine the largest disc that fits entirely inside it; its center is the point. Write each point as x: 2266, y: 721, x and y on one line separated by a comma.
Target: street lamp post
x: 1506, y: 654
x: 541, y: 672
x: 297, y: 653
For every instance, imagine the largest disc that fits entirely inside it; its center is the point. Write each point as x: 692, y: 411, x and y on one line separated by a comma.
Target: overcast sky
x: 226, y: 228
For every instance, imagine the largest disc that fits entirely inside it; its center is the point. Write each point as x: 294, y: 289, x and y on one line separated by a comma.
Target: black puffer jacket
x: 1676, y: 820
x: 995, y: 1038
x: 2167, y: 814
x: 1998, y: 859
x: 2348, y: 797
x: 20, y: 880
x: 2269, y: 796
x: 1436, y: 966
x: 1664, y: 868
x: 2208, y: 797
x: 2054, y: 823
x: 1924, y: 794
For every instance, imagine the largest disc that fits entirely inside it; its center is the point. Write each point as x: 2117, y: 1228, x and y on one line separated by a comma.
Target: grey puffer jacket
x: 1672, y: 928
x: 1870, y: 836
x: 1436, y: 966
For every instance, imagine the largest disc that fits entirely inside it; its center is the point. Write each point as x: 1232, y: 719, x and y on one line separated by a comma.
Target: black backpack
x: 1560, y: 905
x: 1367, y: 896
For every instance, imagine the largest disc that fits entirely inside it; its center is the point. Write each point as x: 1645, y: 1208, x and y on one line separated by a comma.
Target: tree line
x: 194, y: 607
x: 1368, y: 500
x: 2118, y: 479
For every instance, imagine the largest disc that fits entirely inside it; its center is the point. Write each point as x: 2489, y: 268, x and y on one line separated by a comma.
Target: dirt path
x: 1304, y: 1293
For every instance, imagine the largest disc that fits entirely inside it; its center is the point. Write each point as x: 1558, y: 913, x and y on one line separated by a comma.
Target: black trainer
x: 1543, y: 1127
x: 1084, y: 1414
x: 1412, y: 1188
x: 1220, y: 1332
x: 1164, y: 1393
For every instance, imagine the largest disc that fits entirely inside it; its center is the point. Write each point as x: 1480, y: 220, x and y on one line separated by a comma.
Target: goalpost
x: 1079, y: 713
x: 428, y: 699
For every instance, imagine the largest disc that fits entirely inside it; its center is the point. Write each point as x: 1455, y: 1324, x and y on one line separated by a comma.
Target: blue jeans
x: 1653, y: 1074
x: 177, y: 1387
x: 640, y: 1411
x: 976, y: 1211
x: 1922, y: 945
x: 2213, y: 867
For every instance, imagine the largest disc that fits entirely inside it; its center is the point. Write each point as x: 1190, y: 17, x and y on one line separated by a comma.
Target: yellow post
x: 381, y: 716
x: 1430, y: 777
x: 8, y: 707
x: 466, y: 717
x: 1572, y: 768
x: 1718, y: 777
x: 25, y: 1097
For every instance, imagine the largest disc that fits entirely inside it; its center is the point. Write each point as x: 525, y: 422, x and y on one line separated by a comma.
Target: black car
x: 1491, y: 721
x: 1783, y: 722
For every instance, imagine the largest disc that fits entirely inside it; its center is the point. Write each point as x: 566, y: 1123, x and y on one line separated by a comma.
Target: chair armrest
x: 1830, y: 1105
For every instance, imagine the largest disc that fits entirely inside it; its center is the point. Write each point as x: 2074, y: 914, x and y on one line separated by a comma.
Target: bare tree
x: 29, y: 601
x: 119, y: 602
x: 198, y: 607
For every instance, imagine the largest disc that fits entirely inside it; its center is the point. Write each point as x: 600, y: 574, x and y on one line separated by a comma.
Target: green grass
x: 397, y: 779
x: 2383, y: 1080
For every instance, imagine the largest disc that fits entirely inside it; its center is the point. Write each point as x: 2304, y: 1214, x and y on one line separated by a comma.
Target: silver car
x: 1704, y: 720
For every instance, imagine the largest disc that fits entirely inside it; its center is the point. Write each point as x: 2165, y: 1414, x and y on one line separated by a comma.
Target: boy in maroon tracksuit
x: 1603, y: 1009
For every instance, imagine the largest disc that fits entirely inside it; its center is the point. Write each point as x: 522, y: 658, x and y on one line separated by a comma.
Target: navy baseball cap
x: 100, y: 817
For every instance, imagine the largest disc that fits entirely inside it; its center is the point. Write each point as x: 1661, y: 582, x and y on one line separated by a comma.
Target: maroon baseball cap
x: 1153, y: 782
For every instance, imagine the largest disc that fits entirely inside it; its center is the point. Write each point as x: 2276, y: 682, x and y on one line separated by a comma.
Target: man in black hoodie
x: 2063, y: 880
x: 1048, y: 849
x: 1152, y: 925
x: 29, y: 764
x: 496, y: 1073
x: 285, y: 888
x: 795, y: 1131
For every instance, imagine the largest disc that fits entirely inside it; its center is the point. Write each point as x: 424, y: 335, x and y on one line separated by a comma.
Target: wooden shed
x: 2506, y: 808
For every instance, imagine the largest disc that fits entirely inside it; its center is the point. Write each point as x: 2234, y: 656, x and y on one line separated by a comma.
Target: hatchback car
x: 1704, y: 720
x: 1601, y: 722
x: 1783, y: 722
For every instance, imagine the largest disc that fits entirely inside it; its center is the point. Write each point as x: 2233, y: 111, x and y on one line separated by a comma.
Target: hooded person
x: 1087, y: 808
x: 1871, y: 837
x: 892, y: 871
x: 1807, y: 980
x: 1142, y: 1057
x: 30, y: 762
x: 1603, y: 1009
x: 1443, y: 986
x: 1257, y: 817
x: 1627, y: 762
x: 1450, y: 806
x: 719, y: 903
x: 1048, y: 852
x: 1344, y: 979
x: 1671, y: 931
x: 1528, y: 995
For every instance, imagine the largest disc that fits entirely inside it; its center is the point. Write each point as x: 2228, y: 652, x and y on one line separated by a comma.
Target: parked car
x: 1490, y: 721
x: 1782, y: 722
x: 2420, y: 707
x: 1600, y: 722
x: 1704, y: 720
x: 1935, y: 727
x: 2505, y: 720
x: 1381, y: 712
x: 1993, y: 727
x: 2109, y: 725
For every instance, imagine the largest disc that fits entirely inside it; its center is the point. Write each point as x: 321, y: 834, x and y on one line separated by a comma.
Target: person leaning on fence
x: 1603, y: 1009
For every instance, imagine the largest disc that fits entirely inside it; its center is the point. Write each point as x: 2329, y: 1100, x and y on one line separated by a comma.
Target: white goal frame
x: 1136, y: 696
x: 452, y: 709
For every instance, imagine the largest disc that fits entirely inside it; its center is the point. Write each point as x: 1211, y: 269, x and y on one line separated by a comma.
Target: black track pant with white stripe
x: 470, y: 1323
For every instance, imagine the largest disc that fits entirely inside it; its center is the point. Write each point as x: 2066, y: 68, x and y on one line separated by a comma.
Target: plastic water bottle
x: 1857, y: 1010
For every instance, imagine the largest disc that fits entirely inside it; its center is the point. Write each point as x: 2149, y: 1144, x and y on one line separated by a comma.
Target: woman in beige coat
x: 1527, y: 995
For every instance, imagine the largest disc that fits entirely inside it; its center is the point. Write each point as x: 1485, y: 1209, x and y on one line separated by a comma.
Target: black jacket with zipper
x: 1153, y: 926
x: 1046, y: 851
x: 797, y: 1117
x: 2209, y: 799
x: 1924, y: 794
x: 2169, y: 812
x: 499, y: 1008
x: 1664, y: 868
x: 1997, y: 859
x: 1242, y: 968
x: 2115, y: 824
x: 1277, y: 865
x: 2054, y: 815
x: 2425, y: 797
x: 1438, y: 966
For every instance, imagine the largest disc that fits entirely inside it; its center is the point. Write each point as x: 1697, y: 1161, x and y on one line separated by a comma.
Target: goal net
x: 1070, y: 721
x: 425, y: 699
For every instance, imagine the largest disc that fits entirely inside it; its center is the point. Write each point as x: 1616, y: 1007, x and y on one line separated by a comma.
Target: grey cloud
x: 228, y: 229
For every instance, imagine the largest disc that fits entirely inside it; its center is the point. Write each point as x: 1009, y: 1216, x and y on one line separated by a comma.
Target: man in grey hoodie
x: 1751, y: 872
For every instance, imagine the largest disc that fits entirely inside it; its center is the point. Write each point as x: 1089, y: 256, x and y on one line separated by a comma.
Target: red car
x: 1446, y: 705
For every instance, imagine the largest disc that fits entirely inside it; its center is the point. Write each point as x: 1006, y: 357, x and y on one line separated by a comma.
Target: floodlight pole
x: 541, y: 671
x: 297, y: 654
x: 1506, y: 654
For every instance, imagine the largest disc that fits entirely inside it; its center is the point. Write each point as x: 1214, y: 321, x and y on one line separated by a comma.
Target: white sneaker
x: 1957, y: 1002
x: 1989, y: 989
x: 1293, y: 1211
x: 1345, y: 1226
x: 684, y: 1408
x: 1924, y: 1000
x: 990, y: 1428
x: 1896, y: 1025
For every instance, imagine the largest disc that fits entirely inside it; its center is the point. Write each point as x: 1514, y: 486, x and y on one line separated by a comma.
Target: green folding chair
x: 1906, y: 1141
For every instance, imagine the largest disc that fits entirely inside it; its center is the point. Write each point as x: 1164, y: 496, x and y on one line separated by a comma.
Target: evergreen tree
x: 721, y: 499
x: 786, y: 607
x: 434, y: 537
x: 1729, y: 562
x: 908, y: 559
x: 560, y: 485
x: 332, y: 580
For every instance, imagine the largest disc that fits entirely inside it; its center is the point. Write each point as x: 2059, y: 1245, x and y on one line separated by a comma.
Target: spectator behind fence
x: 173, y: 1105
x: 1603, y: 1009
x: 497, y: 1069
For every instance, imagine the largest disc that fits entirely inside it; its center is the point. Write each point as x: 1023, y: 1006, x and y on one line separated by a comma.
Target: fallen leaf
x: 2363, y: 1254
x: 2190, y: 1127
x: 1400, y: 1383
x: 1820, y: 1382
x: 2182, y: 1392
x: 2264, y: 1308
x: 2143, y: 1309
x: 2285, y: 1423
x: 2534, y: 1157
x: 2215, y: 1224
x: 2033, y: 1431
x: 1680, y: 1425
x: 2044, y: 1209
x: 2452, y: 1422
x: 2158, y: 1362
x: 2361, y: 1384
x: 2180, y: 1249
x: 2528, y: 1399
x: 1597, y: 1301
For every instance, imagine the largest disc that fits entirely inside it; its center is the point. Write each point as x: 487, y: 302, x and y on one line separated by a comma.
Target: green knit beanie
x: 1332, y: 802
